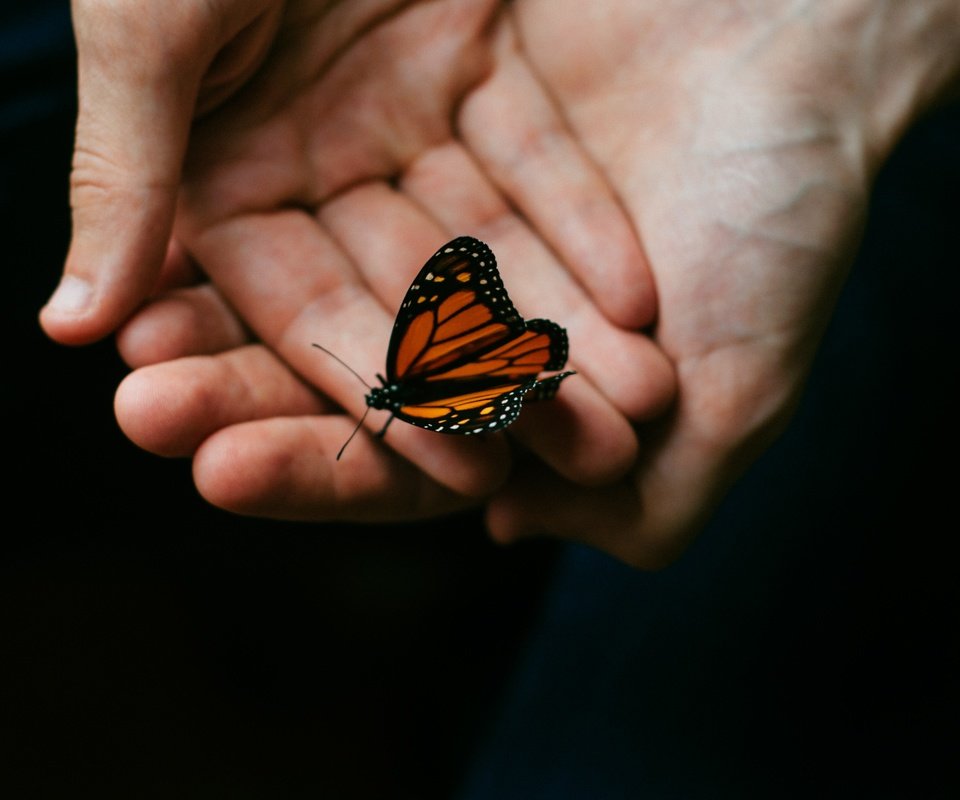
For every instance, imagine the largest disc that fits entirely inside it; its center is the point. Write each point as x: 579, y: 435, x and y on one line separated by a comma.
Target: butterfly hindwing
x: 469, y: 412
x: 484, y: 410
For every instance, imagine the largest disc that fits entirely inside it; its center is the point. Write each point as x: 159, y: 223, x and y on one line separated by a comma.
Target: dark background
x: 806, y: 646
x: 151, y: 641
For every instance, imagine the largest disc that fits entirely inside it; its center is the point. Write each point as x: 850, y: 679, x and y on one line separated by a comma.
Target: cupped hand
x: 371, y: 134
x: 743, y: 140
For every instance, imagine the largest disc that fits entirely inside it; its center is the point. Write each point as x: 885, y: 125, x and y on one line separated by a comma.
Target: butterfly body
x: 461, y: 359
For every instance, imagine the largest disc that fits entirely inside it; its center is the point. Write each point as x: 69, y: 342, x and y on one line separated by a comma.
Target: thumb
x: 139, y: 68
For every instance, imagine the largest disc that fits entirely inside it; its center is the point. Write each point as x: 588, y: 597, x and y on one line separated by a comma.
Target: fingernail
x: 72, y: 296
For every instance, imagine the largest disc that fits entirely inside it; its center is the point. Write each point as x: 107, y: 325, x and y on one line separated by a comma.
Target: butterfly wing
x: 461, y: 359
x: 457, y: 323
x: 455, y: 308
x: 481, y: 410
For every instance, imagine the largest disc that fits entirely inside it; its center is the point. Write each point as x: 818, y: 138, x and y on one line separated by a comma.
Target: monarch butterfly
x: 461, y: 359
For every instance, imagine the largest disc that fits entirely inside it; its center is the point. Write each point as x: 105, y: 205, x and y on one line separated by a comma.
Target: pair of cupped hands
x: 679, y: 185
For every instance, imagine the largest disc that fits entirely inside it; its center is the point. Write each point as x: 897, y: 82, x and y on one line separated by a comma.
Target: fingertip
x: 139, y: 340
x: 635, y: 374
x: 184, y: 322
x: 507, y: 523
x: 286, y: 468
x: 656, y: 385
x: 541, y: 504
x: 72, y: 297
x: 162, y: 411
x: 107, y: 275
x: 141, y: 412
x: 608, y: 254
x: 283, y: 468
x: 71, y: 315
x: 222, y: 476
x: 132, y: 403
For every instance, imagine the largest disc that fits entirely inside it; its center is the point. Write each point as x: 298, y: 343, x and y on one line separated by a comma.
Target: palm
x: 747, y: 201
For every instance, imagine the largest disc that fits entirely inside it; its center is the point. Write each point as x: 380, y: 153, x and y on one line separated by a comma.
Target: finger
x: 621, y: 519
x: 523, y: 144
x: 131, y: 135
x: 577, y: 436
x: 285, y: 468
x: 538, y: 502
x: 140, y: 68
x: 178, y: 269
x: 170, y: 408
x: 182, y: 322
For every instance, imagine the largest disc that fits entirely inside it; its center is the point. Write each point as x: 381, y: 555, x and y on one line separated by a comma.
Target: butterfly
x: 461, y: 359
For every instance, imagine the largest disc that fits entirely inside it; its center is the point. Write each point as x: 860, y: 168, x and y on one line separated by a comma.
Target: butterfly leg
x: 386, y: 425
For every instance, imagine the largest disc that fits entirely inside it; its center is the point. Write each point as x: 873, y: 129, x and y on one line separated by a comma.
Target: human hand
x: 743, y: 142
x: 146, y: 71
x: 312, y: 200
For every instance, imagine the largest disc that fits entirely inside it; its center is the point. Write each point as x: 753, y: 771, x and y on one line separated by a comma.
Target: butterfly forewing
x: 455, y: 309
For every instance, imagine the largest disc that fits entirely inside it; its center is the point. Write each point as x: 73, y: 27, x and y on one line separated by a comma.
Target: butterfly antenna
x: 359, y: 378
x: 337, y: 358
x: 350, y: 438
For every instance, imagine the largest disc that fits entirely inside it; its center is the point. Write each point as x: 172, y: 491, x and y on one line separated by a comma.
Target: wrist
x: 907, y: 59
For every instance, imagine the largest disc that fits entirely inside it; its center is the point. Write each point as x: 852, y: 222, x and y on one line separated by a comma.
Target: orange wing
x: 461, y: 359
x: 480, y: 411
x: 457, y: 321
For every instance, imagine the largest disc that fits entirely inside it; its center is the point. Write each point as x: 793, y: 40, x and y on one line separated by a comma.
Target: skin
x: 680, y: 185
